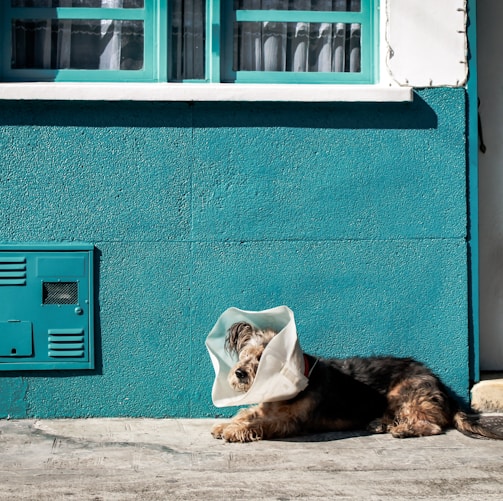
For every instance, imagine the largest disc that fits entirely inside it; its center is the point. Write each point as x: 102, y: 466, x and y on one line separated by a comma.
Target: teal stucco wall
x: 354, y: 215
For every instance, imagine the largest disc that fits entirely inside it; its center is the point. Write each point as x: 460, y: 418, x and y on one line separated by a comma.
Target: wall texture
x: 354, y: 215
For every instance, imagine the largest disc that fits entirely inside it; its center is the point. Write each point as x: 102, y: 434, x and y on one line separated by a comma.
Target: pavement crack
x: 56, y: 443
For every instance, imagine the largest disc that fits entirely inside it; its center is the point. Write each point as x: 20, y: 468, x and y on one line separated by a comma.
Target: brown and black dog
x: 380, y: 394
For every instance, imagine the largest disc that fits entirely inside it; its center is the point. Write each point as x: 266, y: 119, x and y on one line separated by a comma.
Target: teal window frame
x: 366, y: 18
x: 218, y: 44
x: 154, y: 26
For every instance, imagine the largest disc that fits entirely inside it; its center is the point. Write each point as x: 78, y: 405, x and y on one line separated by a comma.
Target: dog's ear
x: 238, y: 335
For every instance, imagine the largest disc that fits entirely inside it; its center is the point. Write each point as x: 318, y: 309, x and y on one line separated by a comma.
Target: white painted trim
x: 188, y: 92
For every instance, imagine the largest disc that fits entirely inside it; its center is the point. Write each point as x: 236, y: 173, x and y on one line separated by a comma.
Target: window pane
x: 188, y: 38
x: 297, y: 47
x: 313, y: 5
x: 122, y: 4
x: 79, y: 44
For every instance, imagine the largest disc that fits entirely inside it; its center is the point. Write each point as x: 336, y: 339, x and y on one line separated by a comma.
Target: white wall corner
x: 426, y: 42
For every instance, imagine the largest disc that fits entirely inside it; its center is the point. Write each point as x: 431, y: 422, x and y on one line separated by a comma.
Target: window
x: 79, y: 40
x: 260, y: 41
x: 299, y: 41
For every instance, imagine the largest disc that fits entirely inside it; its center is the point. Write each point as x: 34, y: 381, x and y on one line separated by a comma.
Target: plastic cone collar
x: 280, y: 374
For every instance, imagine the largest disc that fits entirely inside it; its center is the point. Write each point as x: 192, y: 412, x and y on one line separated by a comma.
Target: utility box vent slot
x: 66, y: 343
x: 48, y: 323
x: 60, y: 293
x: 12, y: 270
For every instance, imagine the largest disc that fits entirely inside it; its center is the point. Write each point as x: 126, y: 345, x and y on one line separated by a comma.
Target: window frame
x: 367, y: 18
x: 218, y: 45
x: 384, y: 88
x: 152, y: 19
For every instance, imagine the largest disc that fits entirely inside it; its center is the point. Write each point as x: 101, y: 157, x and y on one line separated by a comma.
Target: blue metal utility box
x: 46, y: 306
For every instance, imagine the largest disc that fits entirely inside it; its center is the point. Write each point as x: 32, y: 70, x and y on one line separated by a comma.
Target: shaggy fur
x: 381, y: 394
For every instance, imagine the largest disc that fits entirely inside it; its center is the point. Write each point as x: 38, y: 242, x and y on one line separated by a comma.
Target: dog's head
x: 248, y: 342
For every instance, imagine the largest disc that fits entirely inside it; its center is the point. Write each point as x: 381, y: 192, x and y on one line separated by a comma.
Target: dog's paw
x: 218, y: 430
x: 420, y: 429
x: 234, y: 432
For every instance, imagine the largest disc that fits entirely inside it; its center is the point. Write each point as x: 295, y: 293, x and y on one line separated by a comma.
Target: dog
x: 400, y: 396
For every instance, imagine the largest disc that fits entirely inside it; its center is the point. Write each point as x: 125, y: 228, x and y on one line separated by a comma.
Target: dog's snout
x: 240, y: 374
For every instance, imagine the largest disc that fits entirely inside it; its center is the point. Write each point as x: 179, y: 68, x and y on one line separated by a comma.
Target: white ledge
x: 190, y: 92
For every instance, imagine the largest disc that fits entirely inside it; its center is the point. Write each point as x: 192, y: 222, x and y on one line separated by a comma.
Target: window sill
x: 188, y: 92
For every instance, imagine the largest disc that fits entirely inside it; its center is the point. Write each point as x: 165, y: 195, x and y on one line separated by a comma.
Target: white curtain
x: 110, y: 57
x: 80, y: 44
x: 301, y: 46
x: 113, y: 45
x: 274, y: 40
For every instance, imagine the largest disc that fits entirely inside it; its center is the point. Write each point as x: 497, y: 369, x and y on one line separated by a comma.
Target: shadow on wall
x: 415, y: 115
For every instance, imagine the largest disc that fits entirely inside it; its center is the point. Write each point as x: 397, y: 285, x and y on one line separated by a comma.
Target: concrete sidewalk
x: 154, y: 459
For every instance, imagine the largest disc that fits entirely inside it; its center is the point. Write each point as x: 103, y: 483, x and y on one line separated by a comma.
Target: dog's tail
x: 474, y: 424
